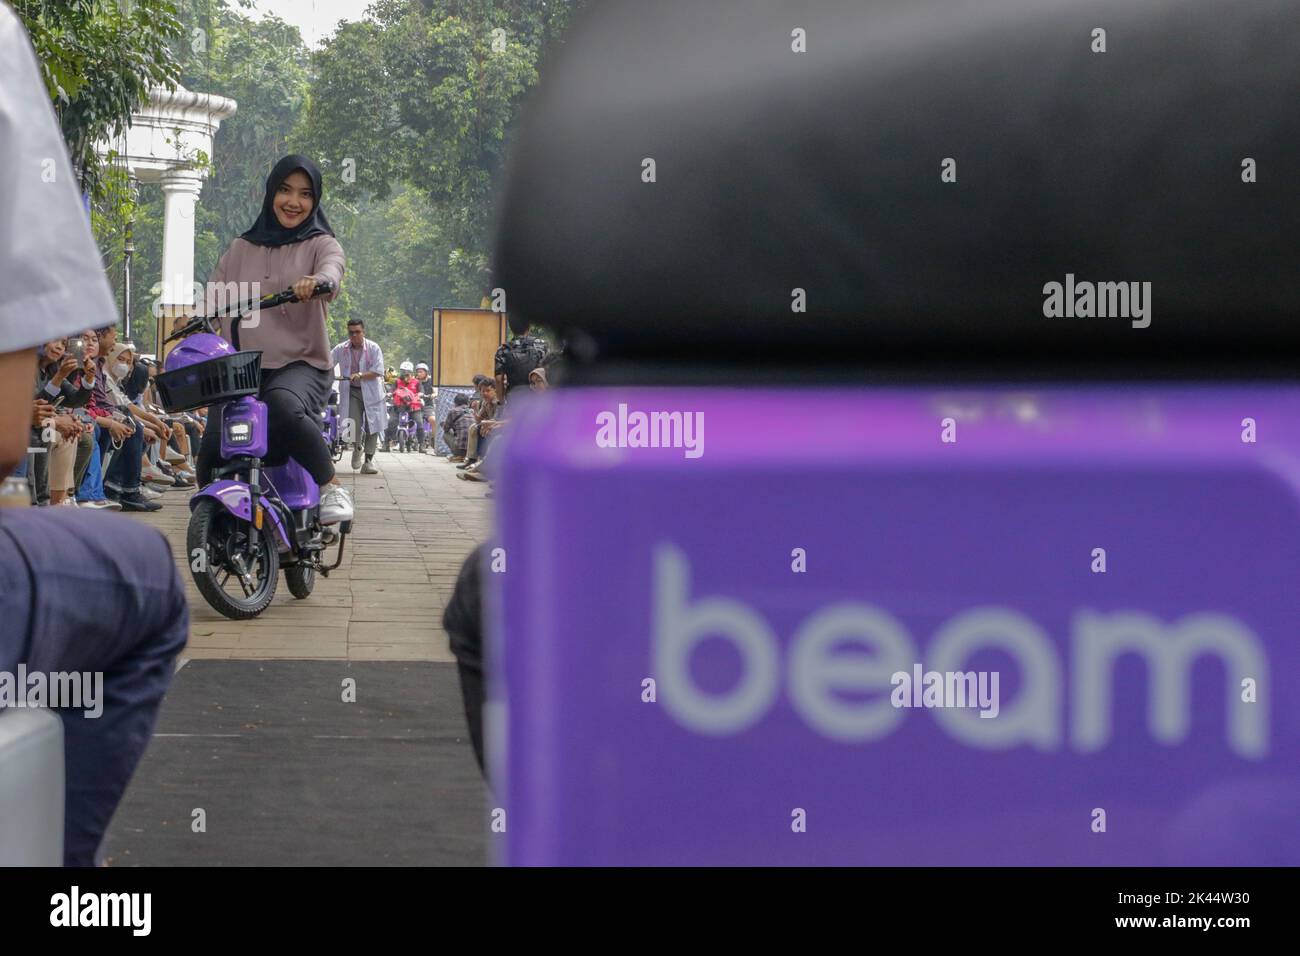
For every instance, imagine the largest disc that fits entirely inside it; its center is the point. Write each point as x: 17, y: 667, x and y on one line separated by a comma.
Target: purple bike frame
x: 289, y: 482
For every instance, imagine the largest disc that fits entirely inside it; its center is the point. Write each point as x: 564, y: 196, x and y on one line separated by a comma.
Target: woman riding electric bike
x: 290, y: 246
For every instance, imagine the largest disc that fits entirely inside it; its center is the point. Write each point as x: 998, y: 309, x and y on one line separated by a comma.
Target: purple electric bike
x: 251, y: 520
x: 330, y: 426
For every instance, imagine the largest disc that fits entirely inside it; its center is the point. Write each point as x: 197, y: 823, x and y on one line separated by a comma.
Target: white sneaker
x: 151, y: 471
x: 356, y: 457
x: 335, y: 505
x: 150, y: 493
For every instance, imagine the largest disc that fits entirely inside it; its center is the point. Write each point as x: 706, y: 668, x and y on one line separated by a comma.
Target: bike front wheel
x: 234, y: 565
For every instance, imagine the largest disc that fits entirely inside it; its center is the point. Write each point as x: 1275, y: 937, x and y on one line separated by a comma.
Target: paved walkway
x: 415, y: 524
x: 256, y: 732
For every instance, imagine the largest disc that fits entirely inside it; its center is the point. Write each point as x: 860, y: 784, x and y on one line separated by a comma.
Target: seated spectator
x: 485, y: 412
x: 476, y: 400
x: 79, y: 592
x: 480, y: 470
x: 456, y: 427
x: 162, y: 437
x: 89, y: 474
x: 124, y: 454
x: 58, y: 384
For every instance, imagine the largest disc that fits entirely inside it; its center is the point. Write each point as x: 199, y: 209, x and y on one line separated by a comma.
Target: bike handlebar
x: 203, y: 323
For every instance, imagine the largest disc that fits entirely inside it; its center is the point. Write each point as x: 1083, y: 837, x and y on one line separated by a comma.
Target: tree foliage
x: 99, y: 58
x: 408, y: 111
x: 424, y: 92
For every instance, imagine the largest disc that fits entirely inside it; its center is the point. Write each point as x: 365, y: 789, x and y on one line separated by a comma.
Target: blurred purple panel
x: 1119, y: 690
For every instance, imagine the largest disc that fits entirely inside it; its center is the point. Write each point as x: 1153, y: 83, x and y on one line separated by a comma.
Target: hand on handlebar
x: 303, y: 289
x: 307, y: 287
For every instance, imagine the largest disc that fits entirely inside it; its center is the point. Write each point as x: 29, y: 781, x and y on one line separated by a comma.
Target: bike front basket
x: 208, y: 383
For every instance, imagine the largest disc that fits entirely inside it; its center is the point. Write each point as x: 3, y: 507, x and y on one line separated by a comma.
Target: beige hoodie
x: 287, y: 333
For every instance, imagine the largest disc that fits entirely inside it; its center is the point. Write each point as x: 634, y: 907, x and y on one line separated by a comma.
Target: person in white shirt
x: 361, y: 397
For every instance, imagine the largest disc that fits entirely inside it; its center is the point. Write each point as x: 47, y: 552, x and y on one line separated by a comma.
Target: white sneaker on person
x: 150, y: 493
x: 335, y: 504
x: 153, y: 473
x: 356, y: 457
x: 174, y: 457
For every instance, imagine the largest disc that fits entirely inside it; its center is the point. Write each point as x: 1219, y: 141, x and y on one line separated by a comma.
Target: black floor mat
x: 287, y: 773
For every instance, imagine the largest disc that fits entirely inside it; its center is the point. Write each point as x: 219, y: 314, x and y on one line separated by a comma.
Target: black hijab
x: 267, y: 231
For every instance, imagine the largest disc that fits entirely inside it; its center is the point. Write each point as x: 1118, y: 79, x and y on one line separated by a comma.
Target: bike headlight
x: 239, y: 433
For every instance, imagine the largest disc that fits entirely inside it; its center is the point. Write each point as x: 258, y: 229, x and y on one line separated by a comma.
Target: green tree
x: 424, y: 93
x: 99, y: 59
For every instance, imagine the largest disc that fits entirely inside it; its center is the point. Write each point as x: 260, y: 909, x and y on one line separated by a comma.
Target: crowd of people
x: 99, y: 437
x: 474, y: 422
x: 399, y: 407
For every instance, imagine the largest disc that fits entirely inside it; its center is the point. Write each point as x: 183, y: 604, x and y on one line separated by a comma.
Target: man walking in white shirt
x: 361, y: 395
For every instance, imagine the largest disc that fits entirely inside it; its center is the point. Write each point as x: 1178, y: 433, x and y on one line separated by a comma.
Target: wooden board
x: 465, y: 343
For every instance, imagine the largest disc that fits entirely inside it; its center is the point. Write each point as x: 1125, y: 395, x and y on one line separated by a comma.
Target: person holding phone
x: 52, y: 471
x: 290, y: 245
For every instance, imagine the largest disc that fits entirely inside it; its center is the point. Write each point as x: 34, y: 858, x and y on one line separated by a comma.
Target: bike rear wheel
x: 301, y: 578
x: 217, y: 543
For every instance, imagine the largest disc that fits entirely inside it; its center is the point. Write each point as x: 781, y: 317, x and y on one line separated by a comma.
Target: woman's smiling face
x: 294, y: 199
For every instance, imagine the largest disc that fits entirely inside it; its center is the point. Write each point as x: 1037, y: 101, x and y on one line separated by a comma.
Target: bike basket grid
x: 220, y: 379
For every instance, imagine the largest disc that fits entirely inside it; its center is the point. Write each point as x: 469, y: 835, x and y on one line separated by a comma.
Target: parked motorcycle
x: 251, y: 520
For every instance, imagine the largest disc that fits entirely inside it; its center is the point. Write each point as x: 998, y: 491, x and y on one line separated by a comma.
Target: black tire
x: 301, y: 578
x: 212, y: 529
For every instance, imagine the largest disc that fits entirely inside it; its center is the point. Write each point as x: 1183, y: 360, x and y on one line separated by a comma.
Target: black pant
x: 123, y: 474
x: 192, y: 432
x: 295, y: 397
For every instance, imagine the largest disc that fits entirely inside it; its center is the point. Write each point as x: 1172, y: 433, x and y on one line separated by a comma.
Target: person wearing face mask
x: 290, y: 245
x: 122, y: 481
x: 131, y: 376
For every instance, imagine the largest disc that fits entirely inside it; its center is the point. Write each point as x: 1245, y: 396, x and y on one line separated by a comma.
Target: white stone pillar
x: 181, y: 188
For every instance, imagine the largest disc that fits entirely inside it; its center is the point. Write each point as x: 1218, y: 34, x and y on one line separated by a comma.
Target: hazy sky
x: 315, y: 19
